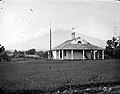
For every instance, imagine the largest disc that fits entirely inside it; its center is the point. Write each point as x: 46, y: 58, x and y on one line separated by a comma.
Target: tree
x: 114, y: 42
x: 109, y: 49
x: 116, y: 52
x: 3, y: 55
x: 42, y: 54
x: 109, y: 43
x: 113, y: 48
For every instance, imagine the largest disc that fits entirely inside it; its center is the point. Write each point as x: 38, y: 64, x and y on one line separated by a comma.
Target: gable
x: 79, y: 40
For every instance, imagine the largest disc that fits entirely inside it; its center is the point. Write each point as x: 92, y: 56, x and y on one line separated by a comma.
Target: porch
x: 78, y: 54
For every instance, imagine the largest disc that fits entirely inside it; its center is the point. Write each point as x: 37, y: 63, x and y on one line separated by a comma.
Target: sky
x: 22, y: 20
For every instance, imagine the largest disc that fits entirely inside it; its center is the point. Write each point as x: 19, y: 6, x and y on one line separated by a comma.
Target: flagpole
x: 50, y: 40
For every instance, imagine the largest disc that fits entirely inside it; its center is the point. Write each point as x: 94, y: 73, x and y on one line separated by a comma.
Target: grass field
x: 47, y: 75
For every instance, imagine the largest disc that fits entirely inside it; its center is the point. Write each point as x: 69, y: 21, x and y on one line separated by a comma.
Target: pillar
x: 48, y: 55
x: 91, y: 54
x: 83, y: 54
x: 62, y: 54
x: 55, y: 55
x: 94, y: 54
x: 71, y: 54
x: 102, y: 54
x: 59, y: 54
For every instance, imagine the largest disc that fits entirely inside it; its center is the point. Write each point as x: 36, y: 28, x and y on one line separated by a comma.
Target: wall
x: 57, y: 54
x: 68, y: 54
x: 77, y: 54
x: 54, y: 54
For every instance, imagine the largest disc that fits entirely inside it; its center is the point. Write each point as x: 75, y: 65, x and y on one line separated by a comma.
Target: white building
x: 77, y: 48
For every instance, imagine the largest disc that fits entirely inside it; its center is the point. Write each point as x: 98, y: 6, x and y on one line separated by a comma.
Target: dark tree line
x: 42, y: 54
x: 112, y: 49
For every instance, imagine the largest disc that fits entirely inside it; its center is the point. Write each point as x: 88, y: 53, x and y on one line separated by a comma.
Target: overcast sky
x: 21, y: 20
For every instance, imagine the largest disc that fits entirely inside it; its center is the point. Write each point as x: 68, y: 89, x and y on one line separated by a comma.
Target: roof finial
x: 73, y: 34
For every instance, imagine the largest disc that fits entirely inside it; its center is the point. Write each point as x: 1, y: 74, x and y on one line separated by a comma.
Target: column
x: 55, y: 55
x: 94, y: 55
x: 59, y: 54
x: 71, y: 54
x: 83, y: 54
x: 102, y: 54
x: 48, y: 55
x: 62, y: 54
x: 91, y: 53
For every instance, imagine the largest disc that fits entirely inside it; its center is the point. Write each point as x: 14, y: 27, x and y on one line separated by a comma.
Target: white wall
x: 68, y: 54
x: 57, y: 54
x: 77, y: 54
x: 54, y: 54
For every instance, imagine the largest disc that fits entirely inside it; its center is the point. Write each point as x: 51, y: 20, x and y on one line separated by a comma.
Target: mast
x: 50, y: 42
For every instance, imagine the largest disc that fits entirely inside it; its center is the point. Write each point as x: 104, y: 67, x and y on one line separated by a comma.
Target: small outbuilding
x: 77, y: 48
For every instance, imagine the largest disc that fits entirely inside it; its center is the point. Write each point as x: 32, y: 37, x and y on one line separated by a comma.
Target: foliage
x: 42, y: 54
x: 116, y: 52
x: 109, y: 51
x: 113, y: 48
x: 18, y: 54
x: 3, y: 55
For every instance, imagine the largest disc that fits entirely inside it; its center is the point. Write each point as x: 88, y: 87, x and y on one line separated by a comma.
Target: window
x: 79, y: 42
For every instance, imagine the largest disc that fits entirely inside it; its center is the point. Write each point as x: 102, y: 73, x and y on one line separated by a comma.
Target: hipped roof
x: 68, y: 45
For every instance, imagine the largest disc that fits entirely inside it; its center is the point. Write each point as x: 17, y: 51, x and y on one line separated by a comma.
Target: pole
x: 50, y: 40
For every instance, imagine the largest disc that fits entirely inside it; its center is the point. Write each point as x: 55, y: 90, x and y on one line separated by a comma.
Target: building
x: 77, y: 48
x: 30, y: 52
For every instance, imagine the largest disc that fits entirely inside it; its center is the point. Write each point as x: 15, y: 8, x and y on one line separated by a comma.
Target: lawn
x: 48, y: 75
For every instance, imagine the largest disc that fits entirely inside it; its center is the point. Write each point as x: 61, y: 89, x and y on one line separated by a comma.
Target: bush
x: 43, y: 54
x: 117, y: 53
x: 109, y: 52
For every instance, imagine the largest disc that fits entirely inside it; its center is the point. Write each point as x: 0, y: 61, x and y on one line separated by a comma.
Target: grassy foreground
x: 48, y: 75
